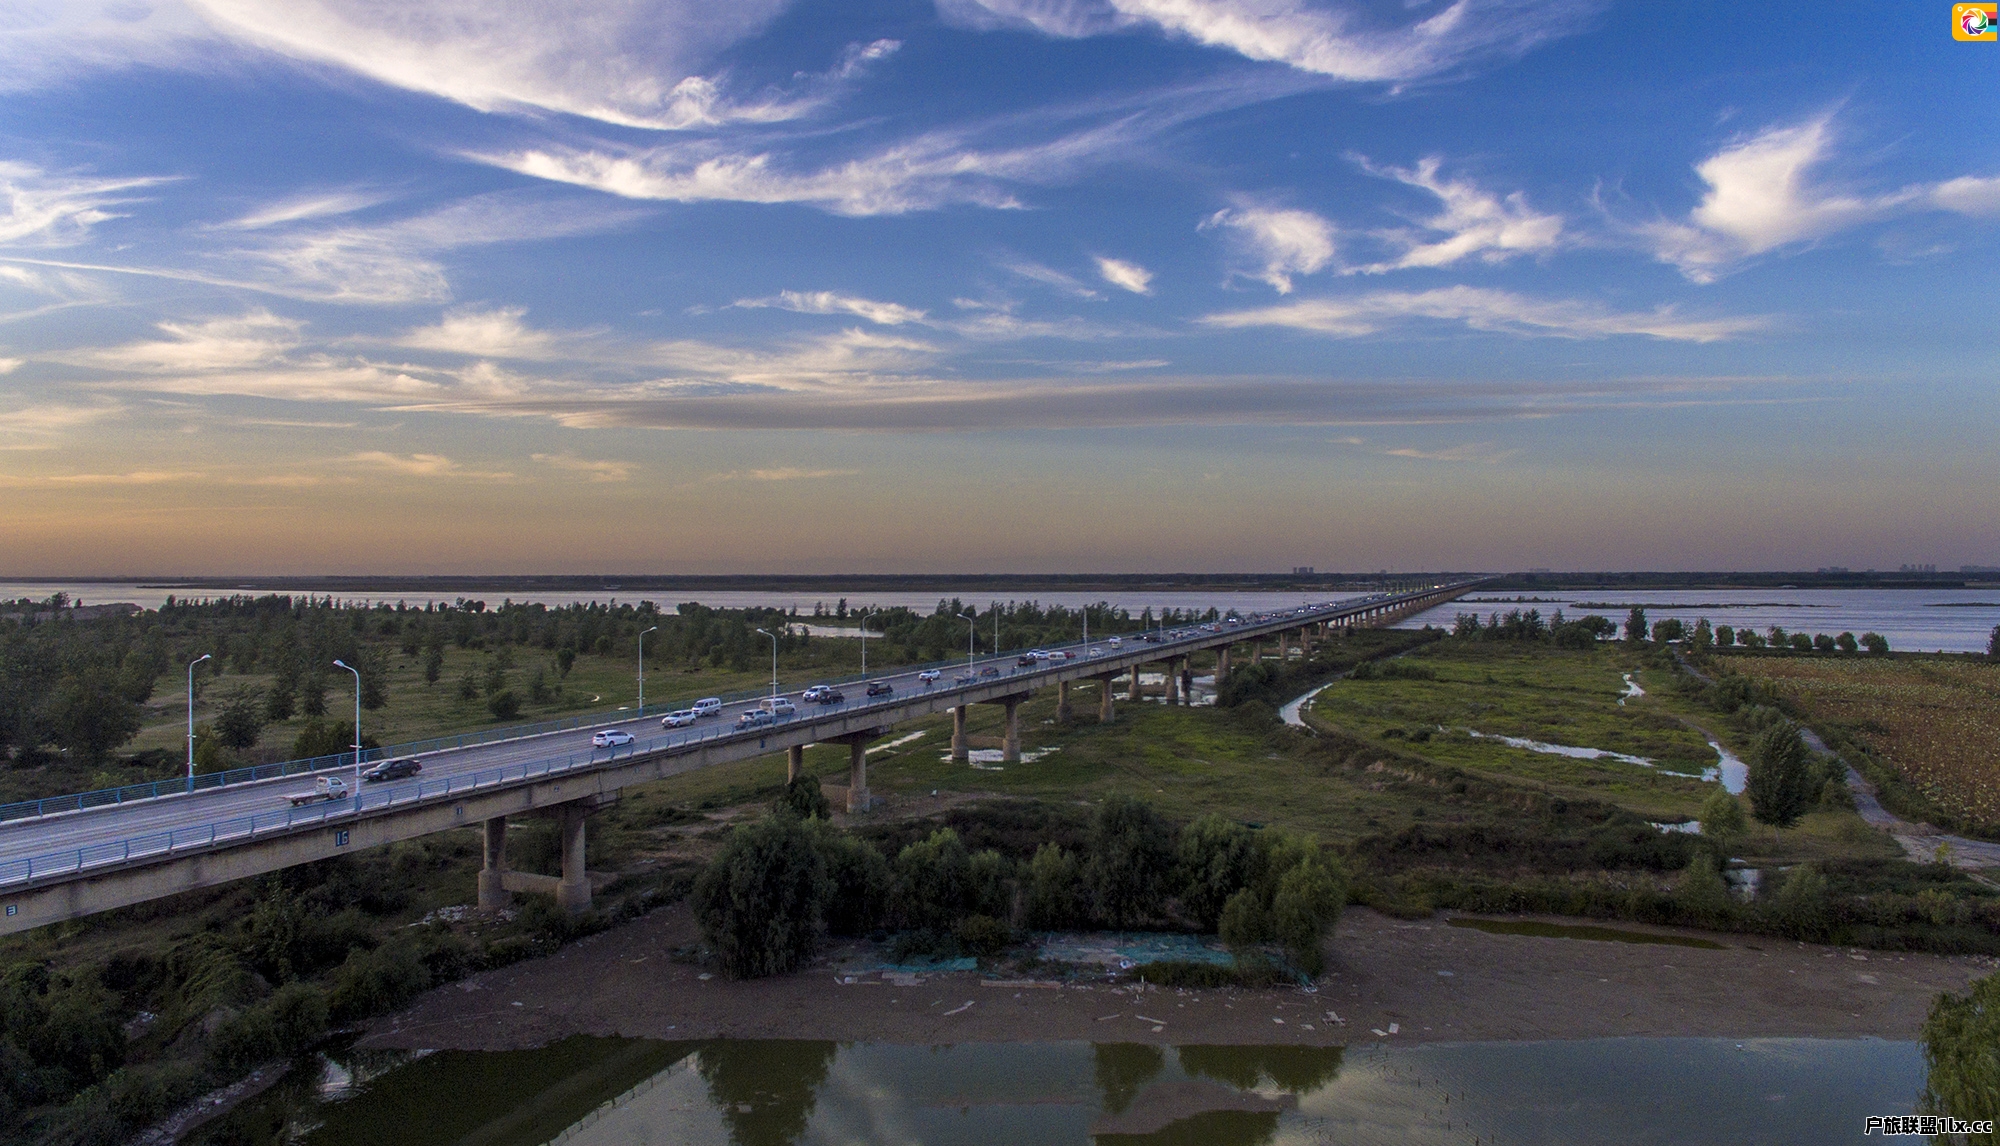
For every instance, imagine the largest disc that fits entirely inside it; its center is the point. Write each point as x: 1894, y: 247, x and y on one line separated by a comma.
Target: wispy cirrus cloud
x: 833, y: 302
x: 420, y: 465
x: 1285, y: 241
x: 1762, y: 196
x: 38, y: 208
x: 499, y: 333
x: 1473, y: 223
x: 1486, y: 453
x: 1343, y: 41
x: 1124, y: 275
x: 303, y: 208
x: 595, y: 471
x: 1496, y: 311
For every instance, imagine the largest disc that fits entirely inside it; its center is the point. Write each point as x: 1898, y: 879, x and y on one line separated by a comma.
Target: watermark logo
x: 1975, y: 23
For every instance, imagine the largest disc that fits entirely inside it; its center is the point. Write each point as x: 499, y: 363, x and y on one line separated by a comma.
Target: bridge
x: 68, y: 864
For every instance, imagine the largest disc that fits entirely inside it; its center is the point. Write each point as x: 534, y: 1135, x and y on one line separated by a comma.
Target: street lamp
x: 774, y: 659
x: 864, y: 640
x: 191, y: 665
x: 642, y: 668
x: 357, y: 729
x: 971, y: 630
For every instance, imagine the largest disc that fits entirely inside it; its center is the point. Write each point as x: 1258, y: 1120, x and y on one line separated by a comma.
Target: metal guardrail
x: 239, y: 828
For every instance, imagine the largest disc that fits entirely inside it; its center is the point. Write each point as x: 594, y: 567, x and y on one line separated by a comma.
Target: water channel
x: 620, y: 1092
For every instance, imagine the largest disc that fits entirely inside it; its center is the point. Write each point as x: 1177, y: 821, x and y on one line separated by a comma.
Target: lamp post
x: 191, y: 665
x: 864, y: 641
x: 357, y: 729
x: 774, y: 659
x: 642, y: 668
x: 971, y: 631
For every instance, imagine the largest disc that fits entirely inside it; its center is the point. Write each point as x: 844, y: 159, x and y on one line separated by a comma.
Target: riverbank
x: 1413, y: 981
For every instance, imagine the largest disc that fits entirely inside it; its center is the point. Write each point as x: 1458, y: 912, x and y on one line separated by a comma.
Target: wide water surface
x: 616, y: 1092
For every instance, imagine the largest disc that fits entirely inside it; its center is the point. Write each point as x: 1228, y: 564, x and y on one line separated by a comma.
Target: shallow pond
x: 614, y: 1092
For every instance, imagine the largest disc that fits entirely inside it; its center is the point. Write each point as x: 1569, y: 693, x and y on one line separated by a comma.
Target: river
x: 616, y: 1092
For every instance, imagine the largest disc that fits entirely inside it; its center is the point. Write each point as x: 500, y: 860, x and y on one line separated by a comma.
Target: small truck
x: 324, y: 788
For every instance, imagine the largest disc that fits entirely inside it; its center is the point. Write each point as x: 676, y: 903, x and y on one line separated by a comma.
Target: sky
x: 655, y: 286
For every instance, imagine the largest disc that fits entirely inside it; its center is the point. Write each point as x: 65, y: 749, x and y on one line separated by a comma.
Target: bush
x: 762, y: 901
x: 864, y: 887
x: 1702, y: 895
x: 1784, y: 778
x: 1305, y: 908
x: 371, y: 982
x: 292, y: 1019
x: 504, y: 705
x: 982, y: 935
x: 1245, y: 924
x: 1217, y: 858
x: 1721, y: 819
x: 802, y: 798
x: 1801, y: 905
x: 934, y: 880
x: 1054, y: 893
x: 1131, y: 859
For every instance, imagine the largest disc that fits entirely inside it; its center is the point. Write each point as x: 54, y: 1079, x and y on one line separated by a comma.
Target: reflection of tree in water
x: 1122, y: 1068
x: 1215, y: 1128
x: 765, y: 1088
x: 1297, y: 1070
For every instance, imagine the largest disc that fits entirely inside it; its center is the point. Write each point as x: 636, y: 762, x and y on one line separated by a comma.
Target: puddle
x: 1733, y: 772
x: 1125, y: 950
x: 1580, y: 931
x: 1576, y: 753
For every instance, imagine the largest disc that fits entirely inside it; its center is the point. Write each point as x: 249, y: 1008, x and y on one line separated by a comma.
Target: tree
x: 1721, y: 820
x: 1704, y: 637
x: 1054, y: 893
x: 864, y: 886
x: 240, y: 724
x: 318, y: 738
x: 1725, y: 636
x: 1846, y: 643
x: 1218, y: 857
x: 504, y: 705
x: 1993, y: 644
x: 1875, y: 643
x: 89, y: 716
x: 1963, y: 1080
x: 1131, y: 858
x: 1801, y: 906
x: 1635, y: 625
x: 1305, y: 908
x: 433, y: 663
x: 762, y: 902
x: 1783, y: 781
x: 802, y: 798
x: 1702, y: 894
x: 936, y: 880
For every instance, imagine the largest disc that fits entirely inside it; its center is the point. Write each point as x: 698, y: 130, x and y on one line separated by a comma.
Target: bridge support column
x: 573, y: 892
x: 1104, y: 699
x: 1135, y: 684
x: 958, y: 753
x: 1256, y: 652
x: 1173, y: 676
x: 795, y: 762
x: 1062, y: 701
x: 1221, y: 665
x: 493, y: 891
x: 857, y: 776
x: 1010, y: 748
x: 1284, y: 647
x: 1187, y: 680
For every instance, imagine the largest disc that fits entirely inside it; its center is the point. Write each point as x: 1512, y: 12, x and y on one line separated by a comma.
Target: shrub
x: 1784, y: 779
x: 934, y: 880
x: 864, y: 887
x: 1245, y: 923
x: 292, y: 1019
x: 504, y: 705
x: 371, y: 982
x: 982, y: 935
x: 1217, y: 858
x: 1131, y: 859
x: 802, y: 798
x: 762, y: 901
x: 1801, y: 905
x: 1305, y: 908
x: 1054, y: 894
x: 1721, y: 819
x: 1702, y: 895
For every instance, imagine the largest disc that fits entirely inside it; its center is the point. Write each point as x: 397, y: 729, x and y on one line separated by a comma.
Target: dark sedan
x: 402, y: 769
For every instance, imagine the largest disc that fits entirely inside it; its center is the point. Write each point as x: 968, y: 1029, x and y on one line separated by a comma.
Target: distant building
x: 1302, y: 570
x: 1918, y: 569
x: 1979, y: 569
x: 1833, y: 569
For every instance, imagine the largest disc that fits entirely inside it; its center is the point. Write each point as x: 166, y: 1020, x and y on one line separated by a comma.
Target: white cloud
x: 1762, y: 196
x: 303, y: 207
x: 50, y: 210
x: 1287, y: 242
x: 44, y: 42
x: 831, y: 302
x: 420, y: 465
x: 1481, y: 309
x: 1485, y: 452
x: 1474, y: 223
x: 9, y: 365
x: 630, y: 62
x: 1047, y: 276
x: 482, y: 334
x: 256, y: 338
x: 1339, y: 40
x: 1127, y: 276
x: 592, y: 470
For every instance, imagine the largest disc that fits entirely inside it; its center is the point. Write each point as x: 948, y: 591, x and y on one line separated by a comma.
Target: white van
x: 777, y: 705
x: 706, y: 706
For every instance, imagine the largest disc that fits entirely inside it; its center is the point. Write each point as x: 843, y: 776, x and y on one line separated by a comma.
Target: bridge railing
x: 237, y: 828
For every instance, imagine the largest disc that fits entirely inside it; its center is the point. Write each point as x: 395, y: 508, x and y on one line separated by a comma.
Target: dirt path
x: 1412, y: 981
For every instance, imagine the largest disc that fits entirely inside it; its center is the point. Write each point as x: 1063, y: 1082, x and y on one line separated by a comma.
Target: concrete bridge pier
x: 1104, y: 698
x: 958, y: 752
x: 1221, y: 665
x: 1284, y: 647
x: 1010, y: 748
x: 573, y: 889
x: 1256, y: 652
x: 1135, y: 684
x: 795, y: 762
x: 493, y: 891
x: 1187, y: 680
x: 1062, y: 701
x: 857, y: 766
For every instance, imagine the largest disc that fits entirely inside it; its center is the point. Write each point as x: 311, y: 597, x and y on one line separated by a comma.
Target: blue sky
x: 1006, y: 285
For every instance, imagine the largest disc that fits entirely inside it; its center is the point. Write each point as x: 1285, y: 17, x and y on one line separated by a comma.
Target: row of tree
x: 783, y: 883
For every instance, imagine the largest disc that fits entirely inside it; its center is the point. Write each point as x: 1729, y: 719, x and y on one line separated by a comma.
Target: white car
x: 814, y: 694
x: 610, y: 738
x: 707, y: 706
x: 680, y: 719
x: 753, y: 718
x: 777, y: 706
x: 930, y: 676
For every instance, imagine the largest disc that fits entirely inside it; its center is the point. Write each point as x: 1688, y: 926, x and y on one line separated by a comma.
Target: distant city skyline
x: 952, y: 286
